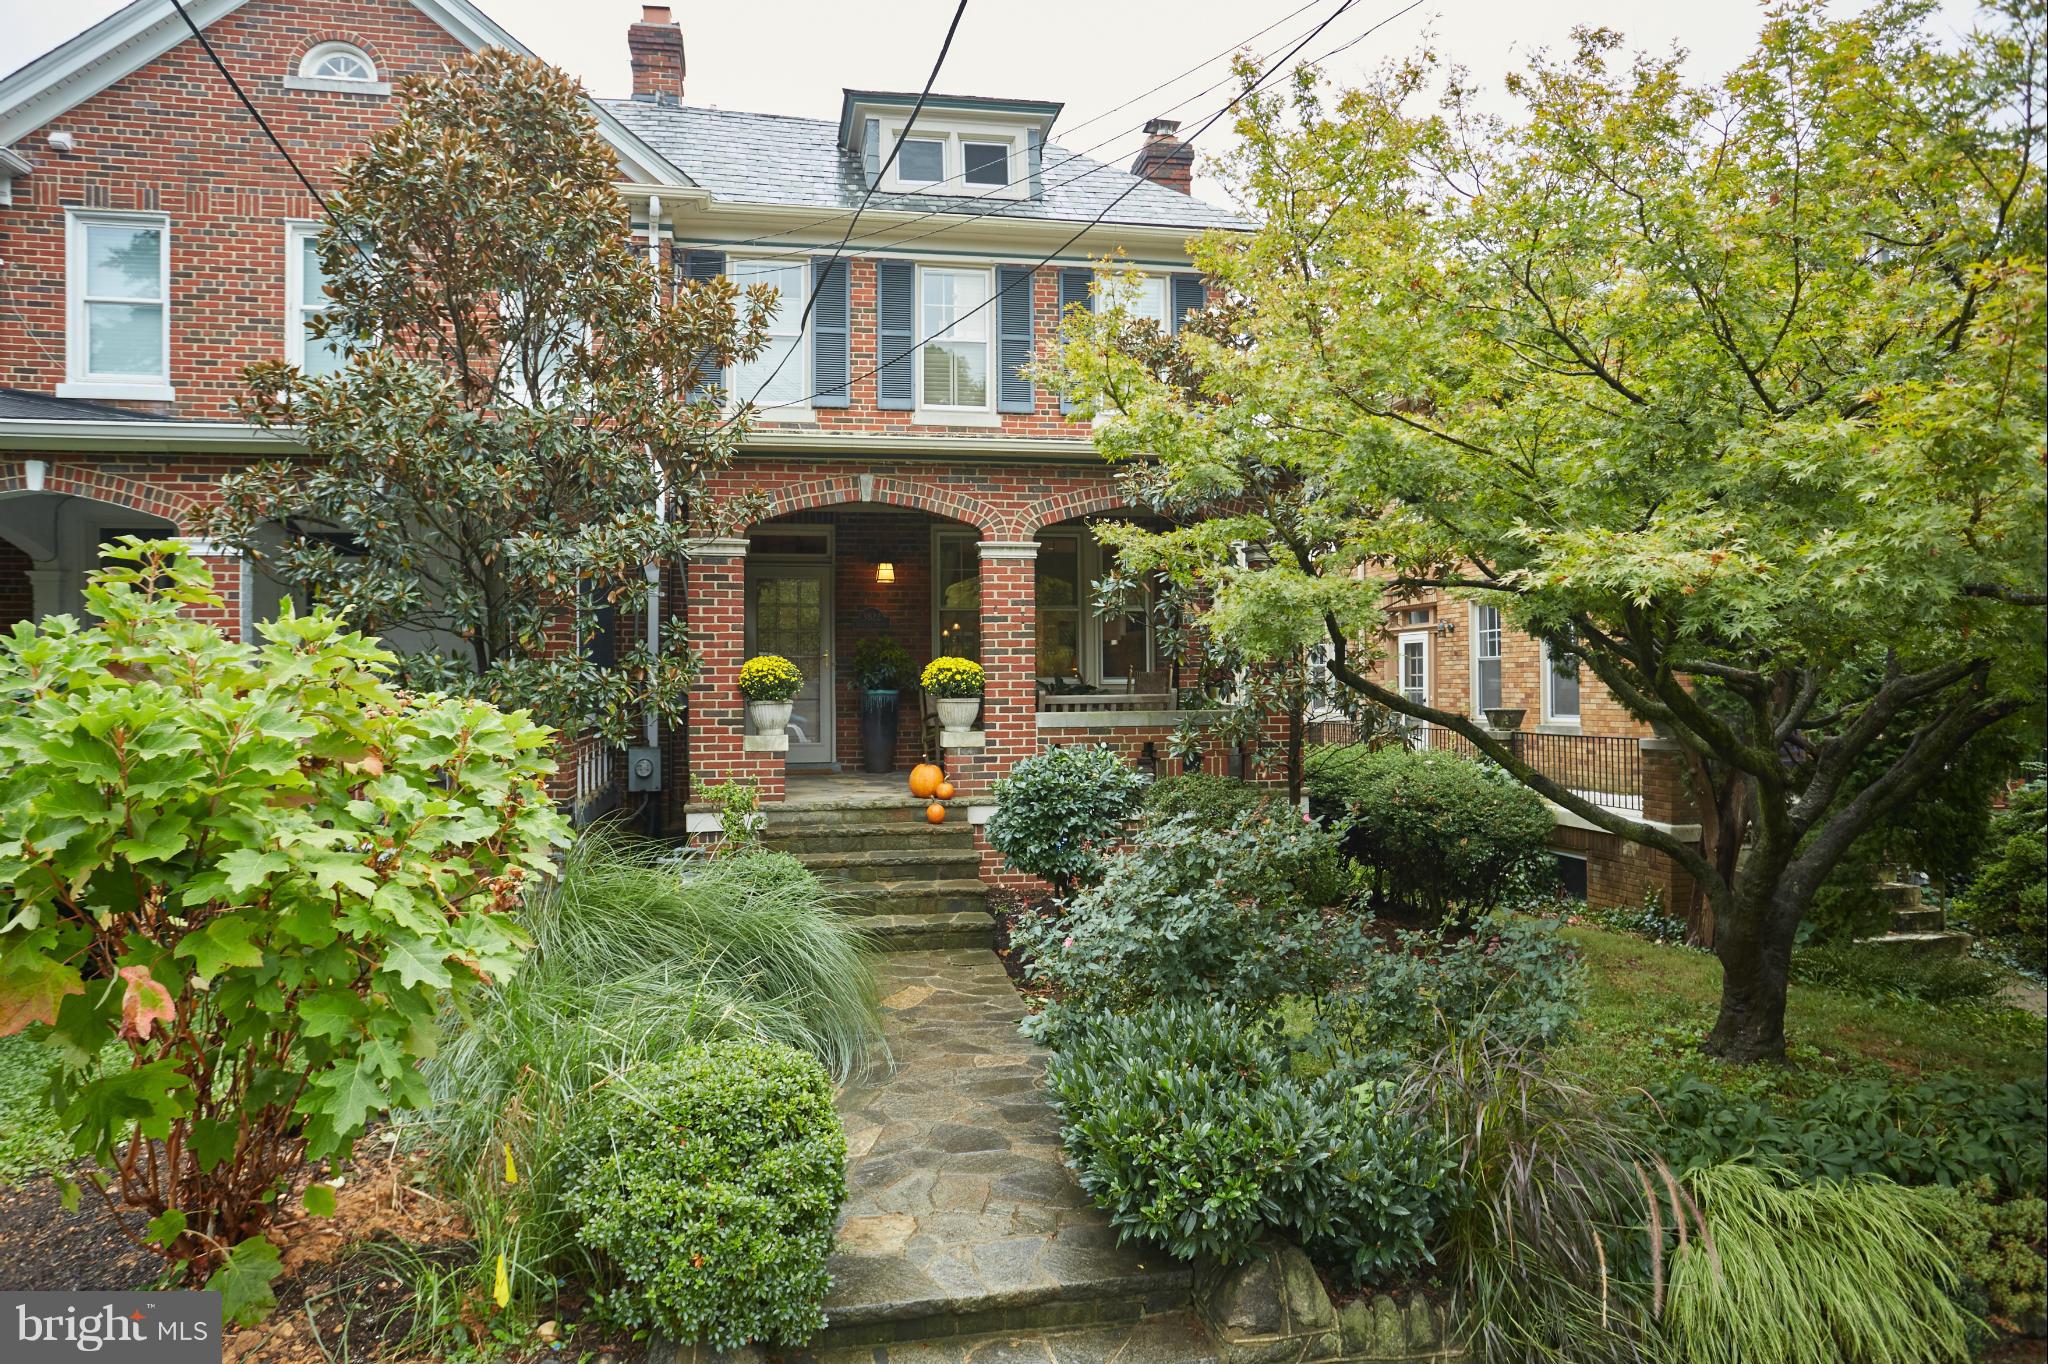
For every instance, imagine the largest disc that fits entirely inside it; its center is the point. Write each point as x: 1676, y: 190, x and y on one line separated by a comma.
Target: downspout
x: 653, y: 566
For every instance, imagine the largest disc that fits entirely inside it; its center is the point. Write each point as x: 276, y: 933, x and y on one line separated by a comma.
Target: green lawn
x: 1650, y: 1005
x: 29, y: 1144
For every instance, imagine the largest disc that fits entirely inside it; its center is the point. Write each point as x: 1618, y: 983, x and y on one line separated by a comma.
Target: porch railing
x: 1606, y: 769
x: 1084, y: 703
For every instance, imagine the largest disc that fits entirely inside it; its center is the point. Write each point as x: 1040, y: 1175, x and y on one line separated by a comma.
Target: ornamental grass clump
x: 708, y: 1186
x: 279, y: 869
x: 770, y: 677
x: 952, y: 679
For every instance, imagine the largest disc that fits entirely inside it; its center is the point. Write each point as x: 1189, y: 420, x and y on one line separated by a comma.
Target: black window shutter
x: 895, y: 334
x: 1190, y: 295
x: 704, y: 265
x: 1074, y: 289
x: 831, y: 341
x: 1015, y: 338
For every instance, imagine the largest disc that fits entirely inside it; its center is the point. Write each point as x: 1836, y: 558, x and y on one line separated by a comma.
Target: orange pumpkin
x: 944, y: 790
x: 935, y: 813
x: 925, y: 779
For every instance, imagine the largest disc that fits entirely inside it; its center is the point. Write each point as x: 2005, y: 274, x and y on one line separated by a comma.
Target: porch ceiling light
x: 885, y: 573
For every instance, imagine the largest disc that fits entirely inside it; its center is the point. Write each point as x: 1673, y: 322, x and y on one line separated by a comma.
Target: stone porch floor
x: 961, y: 1218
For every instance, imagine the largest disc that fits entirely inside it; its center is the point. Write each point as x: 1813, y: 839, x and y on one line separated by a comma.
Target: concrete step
x: 895, y: 864
x: 1924, y: 919
x: 1946, y: 943
x: 925, y: 932
x: 1162, y: 1338
x: 951, y: 896
x: 804, y: 839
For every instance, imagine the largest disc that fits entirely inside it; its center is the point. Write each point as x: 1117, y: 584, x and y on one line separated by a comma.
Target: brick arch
x: 1065, y: 506
x: 883, y: 490
x: 99, y: 486
x: 337, y: 35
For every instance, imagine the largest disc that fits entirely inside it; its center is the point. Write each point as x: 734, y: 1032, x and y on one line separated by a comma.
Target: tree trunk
x: 1755, y: 948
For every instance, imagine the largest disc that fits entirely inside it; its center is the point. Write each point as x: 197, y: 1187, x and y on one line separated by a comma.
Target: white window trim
x: 1550, y: 712
x: 796, y: 412
x: 78, y: 381
x: 1106, y: 282
x: 986, y: 315
x: 952, y: 135
x: 300, y: 77
x: 295, y: 311
x: 1478, y: 700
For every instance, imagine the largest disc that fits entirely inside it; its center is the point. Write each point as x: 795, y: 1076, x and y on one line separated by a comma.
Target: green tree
x: 521, y: 422
x: 259, y: 870
x: 1731, y: 392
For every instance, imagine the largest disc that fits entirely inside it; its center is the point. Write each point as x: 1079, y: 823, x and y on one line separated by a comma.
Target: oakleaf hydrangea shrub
x: 1441, y: 837
x: 709, y: 1185
x: 280, y: 868
x: 1192, y: 911
x: 1192, y: 1130
x: 1058, y: 811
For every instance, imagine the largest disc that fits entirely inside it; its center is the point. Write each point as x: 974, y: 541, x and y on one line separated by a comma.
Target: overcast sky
x: 794, y: 56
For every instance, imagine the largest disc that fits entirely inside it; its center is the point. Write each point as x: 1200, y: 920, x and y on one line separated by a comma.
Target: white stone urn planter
x: 770, y: 717
x: 958, y: 712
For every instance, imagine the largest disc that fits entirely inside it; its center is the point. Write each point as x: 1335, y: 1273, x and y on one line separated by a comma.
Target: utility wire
x: 803, y: 323
x: 1096, y: 221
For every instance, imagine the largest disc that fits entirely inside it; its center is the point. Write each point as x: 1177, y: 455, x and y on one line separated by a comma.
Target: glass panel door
x: 1414, y: 682
x: 789, y: 612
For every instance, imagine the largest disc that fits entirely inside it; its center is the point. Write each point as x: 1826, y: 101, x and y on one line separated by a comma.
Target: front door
x: 789, y: 612
x: 1413, y: 658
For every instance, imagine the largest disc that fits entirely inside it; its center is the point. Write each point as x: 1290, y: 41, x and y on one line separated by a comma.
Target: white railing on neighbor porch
x: 594, y: 771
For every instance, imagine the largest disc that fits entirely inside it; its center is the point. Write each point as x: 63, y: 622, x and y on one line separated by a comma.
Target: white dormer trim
x: 954, y: 134
x: 143, y: 30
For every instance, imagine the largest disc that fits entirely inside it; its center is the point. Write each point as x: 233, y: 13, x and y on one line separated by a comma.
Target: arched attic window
x: 338, y: 66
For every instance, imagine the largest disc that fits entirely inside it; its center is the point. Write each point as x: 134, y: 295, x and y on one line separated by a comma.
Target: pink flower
x: 1069, y: 942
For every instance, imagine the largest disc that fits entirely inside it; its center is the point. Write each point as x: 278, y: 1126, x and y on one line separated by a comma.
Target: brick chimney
x: 656, y: 43
x: 1165, y: 159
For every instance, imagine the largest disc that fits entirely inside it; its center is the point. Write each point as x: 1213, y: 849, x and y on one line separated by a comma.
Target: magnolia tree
x: 514, y: 418
x: 1731, y: 392
x: 253, y: 873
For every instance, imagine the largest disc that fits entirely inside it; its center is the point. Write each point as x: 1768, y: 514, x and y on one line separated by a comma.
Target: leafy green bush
x: 1997, y: 1249
x: 1838, y: 1272
x: 880, y: 664
x: 709, y: 1184
x: 1545, y: 1239
x: 1880, y: 973
x: 280, y: 866
x: 1218, y: 802
x: 1191, y: 912
x: 2007, y: 901
x: 1195, y: 1135
x: 1649, y: 920
x: 1944, y: 1129
x: 1057, y: 811
x: 1441, y: 837
x: 634, y: 959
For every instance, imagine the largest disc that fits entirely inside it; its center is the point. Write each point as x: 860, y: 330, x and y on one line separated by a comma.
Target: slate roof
x: 19, y: 404
x: 796, y: 162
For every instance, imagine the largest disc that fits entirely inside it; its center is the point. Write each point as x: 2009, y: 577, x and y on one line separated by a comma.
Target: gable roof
x: 783, y: 161
x: 143, y: 30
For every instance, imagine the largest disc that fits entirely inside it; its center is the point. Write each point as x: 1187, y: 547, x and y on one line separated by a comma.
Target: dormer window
x: 954, y: 145
x: 922, y: 160
x: 987, y: 163
x: 338, y: 66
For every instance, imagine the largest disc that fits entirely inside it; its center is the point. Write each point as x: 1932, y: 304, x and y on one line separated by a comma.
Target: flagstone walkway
x: 960, y: 1217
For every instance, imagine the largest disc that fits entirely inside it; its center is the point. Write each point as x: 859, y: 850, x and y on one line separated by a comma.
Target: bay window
x: 783, y: 356
x: 953, y: 338
x: 118, y: 273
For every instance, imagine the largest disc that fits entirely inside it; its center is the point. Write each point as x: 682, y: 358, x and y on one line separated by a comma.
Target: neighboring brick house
x: 153, y: 243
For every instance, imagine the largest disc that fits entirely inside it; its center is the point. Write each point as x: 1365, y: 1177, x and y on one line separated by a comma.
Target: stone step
x: 803, y: 839
x: 1925, y: 919
x: 895, y: 864
x: 949, y: 896
x: 1948, y: 943
x: 925, y: 932
x: 1161, y: 1338
x: 1900, y: 895
x: 869, y: 1312
x: 851, y: 814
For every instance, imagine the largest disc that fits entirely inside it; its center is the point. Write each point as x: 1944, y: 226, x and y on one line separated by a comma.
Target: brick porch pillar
x: 1667, y: 801
x: 1009, y: 661
x: 721, y: 749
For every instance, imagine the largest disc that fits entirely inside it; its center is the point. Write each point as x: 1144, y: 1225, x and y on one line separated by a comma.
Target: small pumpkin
x: 935, y: 813
x: 944, y: 790
x: 925, y: 779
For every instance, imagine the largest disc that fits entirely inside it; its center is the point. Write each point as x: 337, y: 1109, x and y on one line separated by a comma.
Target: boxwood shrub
x: 1441, y: 837
x: 1195, y: 1135
x: 709, y: 1185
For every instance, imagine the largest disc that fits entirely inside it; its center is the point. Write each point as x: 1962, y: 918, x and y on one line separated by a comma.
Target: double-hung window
x: 954, y: 324
x: 1486, y: 657
x: 1142, y: 296
x: 1075, y: 641
x: 1560, y: 686
x: 305, y: 299
x: 118, y: 278
x: 779, y: 374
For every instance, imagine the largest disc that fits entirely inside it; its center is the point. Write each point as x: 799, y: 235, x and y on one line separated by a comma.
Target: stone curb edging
x: 1273, y: 1309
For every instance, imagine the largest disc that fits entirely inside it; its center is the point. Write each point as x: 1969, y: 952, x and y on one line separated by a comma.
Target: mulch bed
x: 335, y: 1300
x: 1010, y: 906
